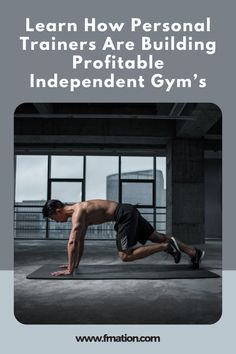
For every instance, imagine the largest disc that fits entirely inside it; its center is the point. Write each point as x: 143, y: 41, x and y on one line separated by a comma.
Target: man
x: 131, y: 228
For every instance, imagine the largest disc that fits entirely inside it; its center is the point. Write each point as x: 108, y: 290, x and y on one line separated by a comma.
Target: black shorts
x: 131, y: 227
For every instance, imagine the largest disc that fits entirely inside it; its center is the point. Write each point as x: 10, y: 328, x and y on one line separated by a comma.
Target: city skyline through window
x: 72, y: 179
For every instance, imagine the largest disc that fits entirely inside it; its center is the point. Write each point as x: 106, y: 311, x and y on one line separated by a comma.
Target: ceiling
x: 95, y: 127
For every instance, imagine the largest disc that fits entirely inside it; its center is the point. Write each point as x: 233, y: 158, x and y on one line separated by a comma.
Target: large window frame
x: 121, y: 180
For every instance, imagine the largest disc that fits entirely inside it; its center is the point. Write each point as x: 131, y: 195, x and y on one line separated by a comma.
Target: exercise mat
x: 125, y: 271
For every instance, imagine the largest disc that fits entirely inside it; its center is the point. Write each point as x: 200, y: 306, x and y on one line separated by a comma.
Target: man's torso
x: 97, y: 211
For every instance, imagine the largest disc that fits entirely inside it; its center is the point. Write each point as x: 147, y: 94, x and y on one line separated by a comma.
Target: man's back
x: 97, y: 211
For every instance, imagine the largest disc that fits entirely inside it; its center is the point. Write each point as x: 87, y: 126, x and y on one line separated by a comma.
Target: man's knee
x: 124, y: 255
x: 159, y: 237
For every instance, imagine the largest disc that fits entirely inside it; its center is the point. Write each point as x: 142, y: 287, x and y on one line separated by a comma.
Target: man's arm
x: 75, y: 243
x: 80, y: 251
x: 79, y: 254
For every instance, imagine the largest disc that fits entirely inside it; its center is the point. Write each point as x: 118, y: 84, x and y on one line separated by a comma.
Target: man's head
x: 54, y: 209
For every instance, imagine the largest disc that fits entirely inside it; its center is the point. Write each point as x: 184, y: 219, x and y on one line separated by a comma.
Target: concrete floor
x: 187, y: 301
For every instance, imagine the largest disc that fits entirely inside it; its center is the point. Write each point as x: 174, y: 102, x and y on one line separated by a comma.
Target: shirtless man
x: 130, y: 226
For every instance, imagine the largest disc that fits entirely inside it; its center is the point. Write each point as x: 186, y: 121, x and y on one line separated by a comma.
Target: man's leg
x: 196, y: 255
x: 142, y: 251
x: 158, y: 237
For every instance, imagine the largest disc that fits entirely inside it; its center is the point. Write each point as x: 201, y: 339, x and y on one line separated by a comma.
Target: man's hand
x: 61, y: 272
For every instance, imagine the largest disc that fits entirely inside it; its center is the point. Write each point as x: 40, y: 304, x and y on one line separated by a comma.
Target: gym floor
x: 171, y: 301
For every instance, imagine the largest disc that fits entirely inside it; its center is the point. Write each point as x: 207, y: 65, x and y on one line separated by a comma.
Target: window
x: 137, y: 167
x: 102, y: 177
x: 30, y: 195
x: 31, y: 178
x: 67, y: 166
x: 71, y: 179
x: 67, y: 192
x: 137, y: 193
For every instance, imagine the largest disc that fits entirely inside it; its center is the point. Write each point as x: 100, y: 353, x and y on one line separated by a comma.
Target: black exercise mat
x: 125, y: 271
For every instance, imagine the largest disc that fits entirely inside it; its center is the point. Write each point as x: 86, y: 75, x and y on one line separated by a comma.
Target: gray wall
x: 185, y: 190
x: 213, y: 198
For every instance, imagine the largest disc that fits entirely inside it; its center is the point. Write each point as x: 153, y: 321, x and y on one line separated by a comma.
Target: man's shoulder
x: 79, y: 208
